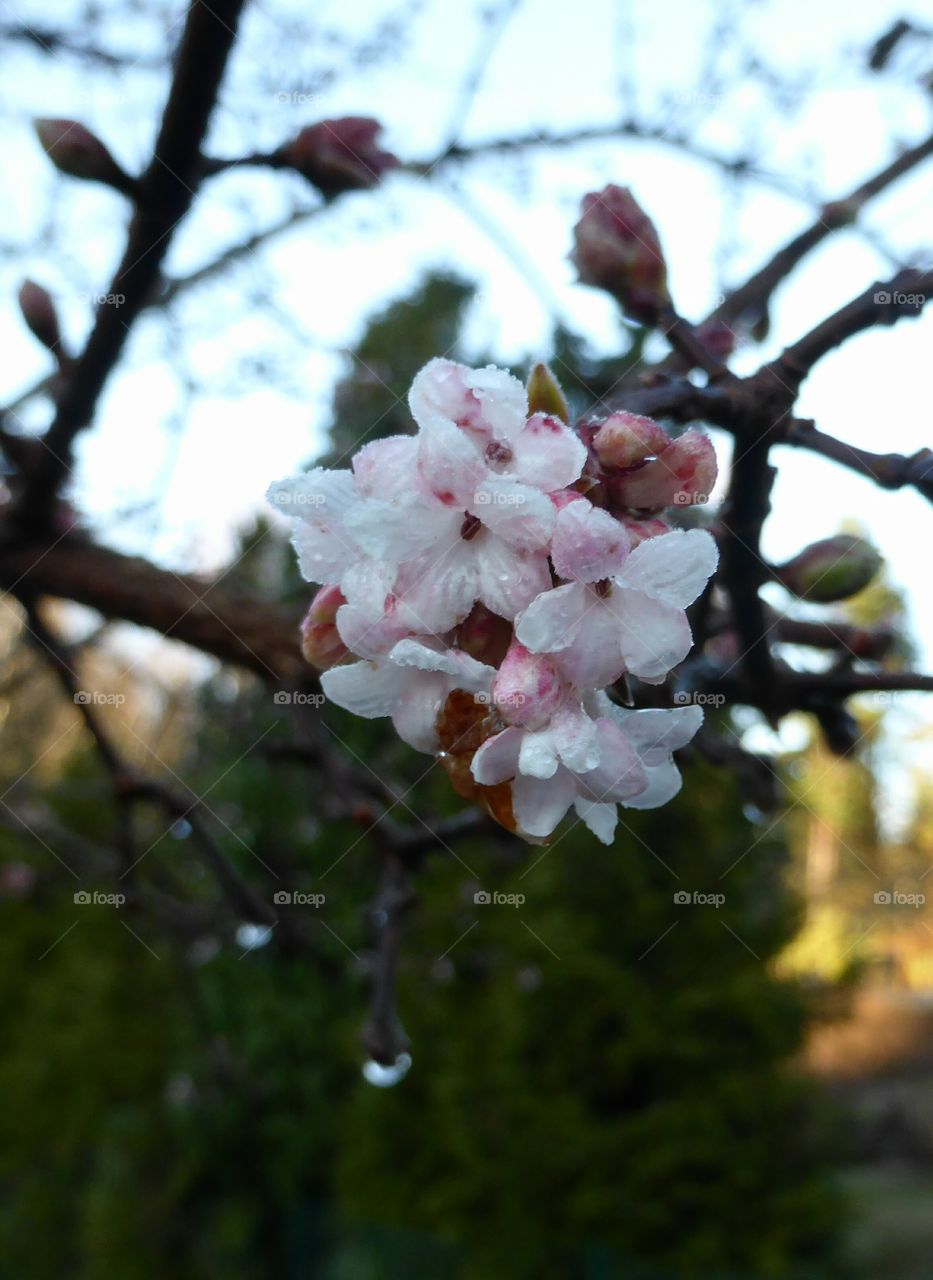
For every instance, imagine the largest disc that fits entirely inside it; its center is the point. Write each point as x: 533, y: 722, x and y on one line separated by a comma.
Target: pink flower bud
x: 617, y: 249
x: 545, y: 394
x: 681, y: 475
x: 74, y: 150
x: 340, y: 155
x: 40, y: 315
x: 320, y: 640
x: 829, y: 570
x: 626, y: 439
x: 528, y: 688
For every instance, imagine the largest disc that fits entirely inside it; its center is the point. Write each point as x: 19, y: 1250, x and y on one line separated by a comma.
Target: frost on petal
x: 486, y: 403
x: 588, y: 543
x: 521, y: 515
x: 539, y: 804
x: 450, y: 468
x: 324, y: 555
x: 655, y: 733
x: 552, y: 621
x: 399, y: 528
x: 319, y: 501
x: 318, y: 494
x: 368, y: 689
x: 384, y: 468
x: 437, y: 590
x: 497, y: 759
x: 507, y: 578
x: 370, y: 630
x: 463, y: 671
x: 547, y: 454
x: 674, y: 567
x: 664, y: 781
x: 654, y: 636
x: 600, y: 818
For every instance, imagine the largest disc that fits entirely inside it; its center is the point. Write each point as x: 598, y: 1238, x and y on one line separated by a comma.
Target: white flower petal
x: 319, y: 495
x: 497, y: 759
x: 324, y: 555
x: 574, y: 735
x: 547, y: 454
x: 450, y: 467
x: 438, y: 589
x: 463, y: 671
x: 600, y: 818
x: 415, y: 713
x: 540, y: 804
x: 401, y: 528
x: 537, y: 757
x: 620, y: 773
x: 588, y: 543
x: 595, y: 658
x: 507, y: 578
x: 552, y: 621
x: 384, y: 468
x: 368, y: 689
x: 521, y: 515
x: 656, y: 733
x: 654, y: 636
x: 487, y: 402
x: 674, y: 567
x: 664, y: 781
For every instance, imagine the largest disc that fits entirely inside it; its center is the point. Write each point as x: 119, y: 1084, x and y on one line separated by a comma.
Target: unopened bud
x: 545, y: 394
x: 625, y: 439
x: 528, y: 688
x: 320, y: 640
x: 340, y: 155
x: 832, y: 569
x: 40, y: 315
x: 74, y: 150
x: 681, y: 475
x: 617, y: 249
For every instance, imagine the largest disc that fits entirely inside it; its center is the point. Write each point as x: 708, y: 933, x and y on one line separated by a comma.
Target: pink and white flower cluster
x: 465, y: 565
